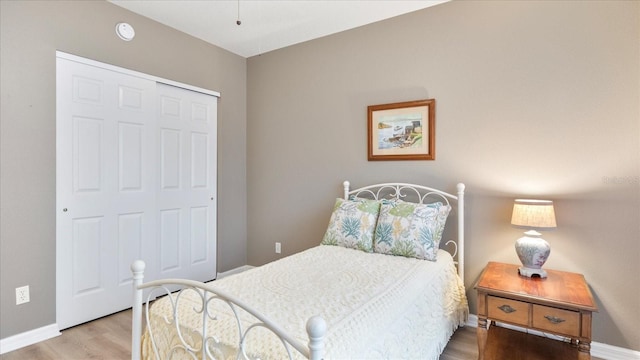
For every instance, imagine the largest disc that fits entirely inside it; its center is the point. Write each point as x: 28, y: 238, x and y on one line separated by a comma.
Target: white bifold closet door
x: 186, y: 173
x: 136, y: 179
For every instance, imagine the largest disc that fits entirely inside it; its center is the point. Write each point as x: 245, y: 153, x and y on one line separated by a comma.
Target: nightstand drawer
x: 512, y: 311
x: 556, y: 320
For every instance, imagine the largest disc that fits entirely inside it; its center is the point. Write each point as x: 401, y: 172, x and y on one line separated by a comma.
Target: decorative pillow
x: 409, y: 229
x: 352, y: 224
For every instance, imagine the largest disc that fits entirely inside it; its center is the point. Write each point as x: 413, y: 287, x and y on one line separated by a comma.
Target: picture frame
x: 402, y: 131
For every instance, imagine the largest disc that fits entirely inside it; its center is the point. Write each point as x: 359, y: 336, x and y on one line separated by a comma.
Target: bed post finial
x: 316, y: 328
x: 346, y: 190
x: 137, y: 269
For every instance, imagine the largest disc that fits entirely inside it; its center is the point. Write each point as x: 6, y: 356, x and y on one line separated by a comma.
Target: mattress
x: 375, y: 306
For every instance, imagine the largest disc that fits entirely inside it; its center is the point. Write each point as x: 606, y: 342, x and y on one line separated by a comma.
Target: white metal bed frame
x: 399, y: 191
x: 316, y: 326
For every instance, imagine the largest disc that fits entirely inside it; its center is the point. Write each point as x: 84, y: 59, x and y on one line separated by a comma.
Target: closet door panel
x: 130, y: 157
x: 131, y: 232
x: 187, y: 127
x: 87, y: 242
x: 170, y: 240
x: 200, y: 160
x: 105, y: 188
x: 170, y: 159
x: 199, y: 234
x: 87, y: 154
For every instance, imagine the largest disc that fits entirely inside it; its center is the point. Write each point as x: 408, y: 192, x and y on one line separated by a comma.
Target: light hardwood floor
x: 109, y: 338
x: 106, y: 338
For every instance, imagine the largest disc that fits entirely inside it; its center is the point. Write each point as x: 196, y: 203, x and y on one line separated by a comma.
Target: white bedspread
x: 375, y: 306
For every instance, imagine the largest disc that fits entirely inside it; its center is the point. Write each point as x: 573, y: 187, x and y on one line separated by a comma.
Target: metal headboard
x: 422, y: 195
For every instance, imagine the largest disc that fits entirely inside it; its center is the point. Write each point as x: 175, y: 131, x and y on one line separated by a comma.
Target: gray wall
x: 534, y: 99
x: 31, y: 32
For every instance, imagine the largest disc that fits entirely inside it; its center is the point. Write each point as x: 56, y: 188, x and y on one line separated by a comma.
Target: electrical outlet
x: 22, y: 295
x: 278, y: 248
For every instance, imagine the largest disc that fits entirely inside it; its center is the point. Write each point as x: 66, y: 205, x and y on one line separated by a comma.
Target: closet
x: 135, y: 179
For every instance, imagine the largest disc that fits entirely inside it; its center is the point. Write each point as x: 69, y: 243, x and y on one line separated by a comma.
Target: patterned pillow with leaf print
x: 352, y: 224
x: 410, y: 229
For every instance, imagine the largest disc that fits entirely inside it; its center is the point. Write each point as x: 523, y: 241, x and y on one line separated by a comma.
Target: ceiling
x: 267, y: 25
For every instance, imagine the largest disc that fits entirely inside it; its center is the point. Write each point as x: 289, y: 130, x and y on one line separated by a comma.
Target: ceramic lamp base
x: 533, y: 252
x: 525, y: 271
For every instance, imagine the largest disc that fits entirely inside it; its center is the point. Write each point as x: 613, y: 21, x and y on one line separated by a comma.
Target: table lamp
x: 533, y: 250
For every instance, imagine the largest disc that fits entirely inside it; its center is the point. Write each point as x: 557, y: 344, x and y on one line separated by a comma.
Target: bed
x: 379, y: 285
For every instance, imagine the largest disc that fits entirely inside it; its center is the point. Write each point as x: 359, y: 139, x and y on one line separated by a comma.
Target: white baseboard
x: 30, y: 337
x: 472, y: 321
x: 234, y: 271
x: 600, y: 350
x: 613, y: 352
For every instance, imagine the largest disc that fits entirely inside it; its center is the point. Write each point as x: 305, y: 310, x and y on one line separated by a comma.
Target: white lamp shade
x: 534, y: 213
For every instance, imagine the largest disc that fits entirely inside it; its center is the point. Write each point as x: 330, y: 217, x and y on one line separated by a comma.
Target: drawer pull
x: 554, y: 319
x: 506, y: 308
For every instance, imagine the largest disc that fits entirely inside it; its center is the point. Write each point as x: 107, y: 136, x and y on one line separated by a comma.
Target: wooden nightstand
x: 560, y: 304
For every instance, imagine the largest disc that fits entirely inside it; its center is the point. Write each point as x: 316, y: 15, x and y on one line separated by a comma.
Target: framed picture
x: 402, y: 131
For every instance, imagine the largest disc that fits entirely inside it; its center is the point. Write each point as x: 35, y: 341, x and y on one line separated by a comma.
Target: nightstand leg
x: 482, y: 336
x: 584, y: 350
